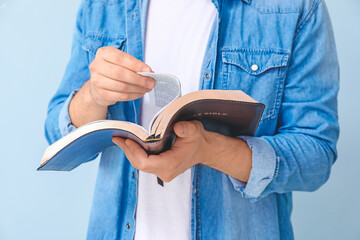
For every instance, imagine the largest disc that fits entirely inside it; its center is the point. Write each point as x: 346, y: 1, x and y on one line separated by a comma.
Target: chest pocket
x: 94, y: 41
x: 257, y: 72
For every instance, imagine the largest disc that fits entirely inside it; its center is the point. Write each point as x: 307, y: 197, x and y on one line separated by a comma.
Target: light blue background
x: 35, y: 41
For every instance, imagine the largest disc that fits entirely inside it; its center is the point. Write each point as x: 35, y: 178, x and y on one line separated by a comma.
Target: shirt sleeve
x: 265, y: 166
x: 65, y: 124
x: 77, y: 72
x: 300, y: 155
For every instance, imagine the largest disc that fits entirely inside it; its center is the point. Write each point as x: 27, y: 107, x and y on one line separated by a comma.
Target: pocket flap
x: 255, y: 61
x: 94, y: 42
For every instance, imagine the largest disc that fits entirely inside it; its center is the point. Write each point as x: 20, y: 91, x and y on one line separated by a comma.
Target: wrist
x: 90, y: 100
x: 210, y: 148
x: 84, y: 109
x: 228, y: 154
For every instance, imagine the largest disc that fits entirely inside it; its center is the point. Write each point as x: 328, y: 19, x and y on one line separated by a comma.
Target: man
x: 282, y: 53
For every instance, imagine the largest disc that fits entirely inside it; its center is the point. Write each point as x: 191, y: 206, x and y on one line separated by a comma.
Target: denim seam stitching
x: 283, y: 64
x: 275, y: 12
x: 105, y: 37
x: 198, y: 225
x: 256, y: 50
x: 307, y: 17
x: 225, y: 84
x: 260, y: 71
x: 283, y: 61
x: 268, y: 11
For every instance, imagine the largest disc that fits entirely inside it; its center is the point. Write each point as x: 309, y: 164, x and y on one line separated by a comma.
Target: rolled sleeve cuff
x: 265, y: 166
x: 65, y: 124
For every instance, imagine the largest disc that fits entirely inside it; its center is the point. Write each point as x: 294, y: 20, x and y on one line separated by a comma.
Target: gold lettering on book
x: 210, y: 114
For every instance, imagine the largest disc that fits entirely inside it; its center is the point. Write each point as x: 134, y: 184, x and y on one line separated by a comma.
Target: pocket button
x: 254, y: 67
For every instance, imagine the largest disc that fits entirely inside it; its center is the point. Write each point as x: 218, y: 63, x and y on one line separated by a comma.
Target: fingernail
x: 150, y: 83
x: 146, y: 69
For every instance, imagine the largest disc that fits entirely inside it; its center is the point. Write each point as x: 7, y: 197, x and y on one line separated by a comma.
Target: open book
x: 229, y: 112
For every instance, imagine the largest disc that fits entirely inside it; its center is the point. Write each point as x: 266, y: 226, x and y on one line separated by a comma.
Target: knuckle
x: 119, y: 52
x: 100, y: 51
x: 198, y: 124
x: 92, y: 66
x: 120, y: 57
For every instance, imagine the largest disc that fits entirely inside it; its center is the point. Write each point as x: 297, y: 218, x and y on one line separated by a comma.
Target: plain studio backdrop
x: 35, y: 43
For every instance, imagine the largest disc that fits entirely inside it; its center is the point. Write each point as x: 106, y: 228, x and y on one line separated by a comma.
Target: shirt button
x: 134, y: 15
x: 254, y: 67
x: 128, y: 226
x: 195, y: 191
x: 207, y: 75
x: 133, y: 175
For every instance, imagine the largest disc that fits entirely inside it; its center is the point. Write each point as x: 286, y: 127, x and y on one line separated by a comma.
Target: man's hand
x: 194, y: 145
x: 113, y: 78
x: 189, y: 149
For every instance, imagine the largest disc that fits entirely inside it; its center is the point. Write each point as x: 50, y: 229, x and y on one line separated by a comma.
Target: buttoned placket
x: 206, y: 82
x: 135, y: 46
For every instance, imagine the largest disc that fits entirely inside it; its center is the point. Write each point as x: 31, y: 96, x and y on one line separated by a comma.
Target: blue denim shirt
x: 294, y: 148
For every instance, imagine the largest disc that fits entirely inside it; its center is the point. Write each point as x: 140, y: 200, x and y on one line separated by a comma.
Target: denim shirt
x: 281, y: 53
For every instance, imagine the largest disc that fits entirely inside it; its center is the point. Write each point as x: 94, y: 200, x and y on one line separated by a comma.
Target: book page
x: 166, y: 90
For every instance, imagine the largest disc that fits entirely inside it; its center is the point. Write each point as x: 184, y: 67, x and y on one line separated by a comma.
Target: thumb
x: 187, y: 129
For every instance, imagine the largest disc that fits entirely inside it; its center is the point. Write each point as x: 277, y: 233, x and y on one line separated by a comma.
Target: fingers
x: 114, y: 78
x: 120, y: 142
x: 188, y: 129
x: 101, y: 81
x: 120, y: 58
x: 165, y: 168
x: 107, y: 97
x: 122, y: 74
x: 166, y: 165
x: 134, y: 153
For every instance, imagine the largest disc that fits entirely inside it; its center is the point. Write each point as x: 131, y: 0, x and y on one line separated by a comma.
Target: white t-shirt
x: 177, y: 33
